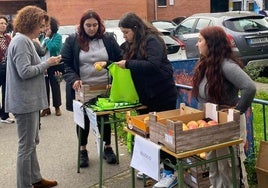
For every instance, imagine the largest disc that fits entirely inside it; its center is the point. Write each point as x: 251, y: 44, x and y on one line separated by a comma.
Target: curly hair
x: 83, y: 38
x: 209, y: 65
x: 142, y: 30
x: 29, y: 18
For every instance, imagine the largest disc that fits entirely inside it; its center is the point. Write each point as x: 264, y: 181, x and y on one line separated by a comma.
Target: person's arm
x: 54, y: 44
x: 41, y: 50
x: 113, y: 49
x: 234, y: 74
x: 71, y: 73
x: 28, y: 63
x: 150, y: 65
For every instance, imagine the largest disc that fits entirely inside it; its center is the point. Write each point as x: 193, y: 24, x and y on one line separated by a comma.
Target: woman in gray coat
x: 26, y: 93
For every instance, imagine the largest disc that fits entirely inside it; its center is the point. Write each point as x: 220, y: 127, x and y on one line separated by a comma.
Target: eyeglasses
x: 3, y: 23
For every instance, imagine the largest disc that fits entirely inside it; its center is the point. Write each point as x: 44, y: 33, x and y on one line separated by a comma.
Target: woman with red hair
x: 218, y: 78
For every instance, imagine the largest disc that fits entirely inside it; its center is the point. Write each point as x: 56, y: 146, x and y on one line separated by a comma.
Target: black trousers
x: 85, y: 132
x: 3, y: 114
x: 52, y: 82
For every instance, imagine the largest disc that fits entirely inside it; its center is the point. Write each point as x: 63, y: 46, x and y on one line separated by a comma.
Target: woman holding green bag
x: 146, y: 58
x: 152, y: 73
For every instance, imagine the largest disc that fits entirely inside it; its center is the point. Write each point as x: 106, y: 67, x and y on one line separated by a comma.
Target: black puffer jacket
x: 70, y: 56
x: 153, y: 76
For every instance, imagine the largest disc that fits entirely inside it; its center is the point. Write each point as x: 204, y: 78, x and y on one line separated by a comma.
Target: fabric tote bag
x: 123, y: 88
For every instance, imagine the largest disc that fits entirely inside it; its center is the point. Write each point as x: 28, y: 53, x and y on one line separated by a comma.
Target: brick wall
x: 183, y: 8
x: 70, y: 11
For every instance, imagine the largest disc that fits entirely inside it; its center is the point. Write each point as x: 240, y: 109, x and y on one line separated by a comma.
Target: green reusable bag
x: 123, y: 88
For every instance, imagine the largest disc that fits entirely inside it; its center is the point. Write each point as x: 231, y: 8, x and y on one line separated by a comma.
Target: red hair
x: 209, y: 66
x: 83, y: 38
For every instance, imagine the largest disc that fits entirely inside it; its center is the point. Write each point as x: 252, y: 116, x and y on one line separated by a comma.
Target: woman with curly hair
x: 26, y: 93
x: 218, y: 78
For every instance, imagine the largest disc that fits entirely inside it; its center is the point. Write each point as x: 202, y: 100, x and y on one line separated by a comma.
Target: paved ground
x: 57, y: 154
x: 262, y: 87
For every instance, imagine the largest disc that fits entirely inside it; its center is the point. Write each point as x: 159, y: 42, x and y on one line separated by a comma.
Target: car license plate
x: 258, y: 40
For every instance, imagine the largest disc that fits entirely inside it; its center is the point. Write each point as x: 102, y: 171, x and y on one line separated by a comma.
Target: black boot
x: 109, y: 155
x: 83, y: 158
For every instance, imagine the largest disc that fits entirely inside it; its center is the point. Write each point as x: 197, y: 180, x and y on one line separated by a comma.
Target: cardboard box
x: 262, y: 165
x: 262, y: 177
x: 140, y: 123
x: 169, y: 132
x: 196, y: 177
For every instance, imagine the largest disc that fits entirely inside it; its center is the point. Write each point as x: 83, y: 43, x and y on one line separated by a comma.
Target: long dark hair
x: 209, y: 65
x: 141, y: 31
x: 54, y: 25
x: 83, y: 38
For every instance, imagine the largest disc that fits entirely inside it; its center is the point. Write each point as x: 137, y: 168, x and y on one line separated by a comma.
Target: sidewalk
x: 57, y: 153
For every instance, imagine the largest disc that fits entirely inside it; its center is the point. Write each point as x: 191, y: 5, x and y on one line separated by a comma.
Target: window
x: 201, y: 24
x: 237, y: 6
x: 185, y: 27
x: 162, y: 2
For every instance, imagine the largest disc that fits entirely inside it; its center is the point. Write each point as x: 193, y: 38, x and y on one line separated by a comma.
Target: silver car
x: 247, y: 31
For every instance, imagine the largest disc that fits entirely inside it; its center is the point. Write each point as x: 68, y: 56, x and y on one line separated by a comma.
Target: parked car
x: 164, y: 24
x: 66, y: 30
x: 247, y: 31
x: 179, y: 19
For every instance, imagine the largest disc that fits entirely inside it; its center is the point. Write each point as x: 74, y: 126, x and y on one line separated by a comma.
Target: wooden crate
x: 81, y: 94
x: 139, y: 123
x: 169, y: 132
x: 196, y: 177
x: 85, y: 92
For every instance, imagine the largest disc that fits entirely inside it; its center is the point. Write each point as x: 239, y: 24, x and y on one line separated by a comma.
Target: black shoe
x: 83, y: 159
x: 109, y: 155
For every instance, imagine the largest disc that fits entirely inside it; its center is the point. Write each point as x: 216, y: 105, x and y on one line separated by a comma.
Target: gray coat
x: 25, y: 87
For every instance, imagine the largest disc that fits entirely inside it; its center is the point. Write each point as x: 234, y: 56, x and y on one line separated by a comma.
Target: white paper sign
x: 78, y: 113
x: 94, y: 127
x: 211, y: 111
x: 230, y: 116
x: 146, y: 157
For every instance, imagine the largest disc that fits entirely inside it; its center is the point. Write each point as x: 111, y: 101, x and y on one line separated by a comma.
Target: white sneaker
x: 140, y: 176
x: 167, y: 181
x: 8, y: 120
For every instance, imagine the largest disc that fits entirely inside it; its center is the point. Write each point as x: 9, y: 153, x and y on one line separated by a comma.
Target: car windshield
x: 164, y: 25
x: 247, y: 24
x: 66, y: 30
x: 111, y: 23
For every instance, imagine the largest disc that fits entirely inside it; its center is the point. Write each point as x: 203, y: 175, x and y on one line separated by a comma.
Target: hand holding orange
x: 98, y: 67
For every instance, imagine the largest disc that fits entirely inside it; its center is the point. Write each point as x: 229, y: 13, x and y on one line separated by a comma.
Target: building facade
x: 68, y: 12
